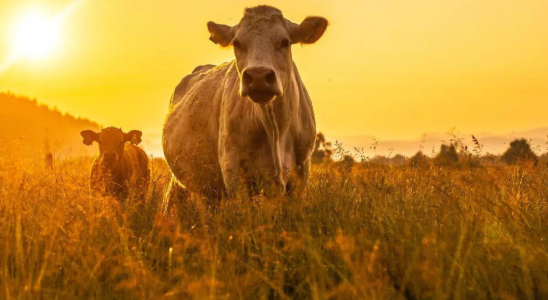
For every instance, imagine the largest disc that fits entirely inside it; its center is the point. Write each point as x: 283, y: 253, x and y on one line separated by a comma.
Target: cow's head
x: 111, y: 143
x: 262, y: 46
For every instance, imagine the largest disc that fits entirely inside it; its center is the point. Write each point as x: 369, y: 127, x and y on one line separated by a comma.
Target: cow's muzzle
x: 110, y: 159
x: 260, y: 84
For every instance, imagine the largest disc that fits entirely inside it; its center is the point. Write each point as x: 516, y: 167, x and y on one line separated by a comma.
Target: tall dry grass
x: 366, y: 232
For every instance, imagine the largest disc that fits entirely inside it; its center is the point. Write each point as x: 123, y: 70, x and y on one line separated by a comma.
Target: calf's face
x: 111, y: 143
x: 262, y: 48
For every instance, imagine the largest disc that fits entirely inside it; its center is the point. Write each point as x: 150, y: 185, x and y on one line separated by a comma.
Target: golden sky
x: 394, y: 68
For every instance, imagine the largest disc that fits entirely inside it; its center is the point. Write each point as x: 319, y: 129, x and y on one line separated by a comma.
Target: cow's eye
x: 285, y: 43
x: 236, y: 44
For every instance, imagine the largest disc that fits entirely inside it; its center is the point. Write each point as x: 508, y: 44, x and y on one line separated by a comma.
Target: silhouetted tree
x: 543, y: 158
x: 519, y: 150
x: 447, y: 156
x: 322, y: 150
x: 346, y: 163
x: 418, y: 159
x: 379, y: 160
x: 397, y: 160
x: 348, y: 159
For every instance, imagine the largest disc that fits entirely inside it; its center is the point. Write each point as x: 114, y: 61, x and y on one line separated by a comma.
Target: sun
x: 35, y: 36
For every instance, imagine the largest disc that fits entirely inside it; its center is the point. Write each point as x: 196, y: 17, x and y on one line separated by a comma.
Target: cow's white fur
x: 217, y: 142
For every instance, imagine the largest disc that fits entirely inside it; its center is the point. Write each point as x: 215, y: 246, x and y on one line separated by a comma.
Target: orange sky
x: 394, y: 69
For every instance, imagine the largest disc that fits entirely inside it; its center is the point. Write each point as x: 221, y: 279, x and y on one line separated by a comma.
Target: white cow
x: 246, y: 125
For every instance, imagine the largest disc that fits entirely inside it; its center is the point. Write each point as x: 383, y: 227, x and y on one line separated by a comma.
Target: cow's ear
x: 89, y: 136
x: 309, y: 31
x: 133, y: 137
x: 220, y: 34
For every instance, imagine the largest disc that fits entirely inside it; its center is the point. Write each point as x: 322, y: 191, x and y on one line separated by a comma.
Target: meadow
x: 361, y: 231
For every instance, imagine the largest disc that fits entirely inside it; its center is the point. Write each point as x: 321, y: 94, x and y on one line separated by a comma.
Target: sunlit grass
x: 370, y: 232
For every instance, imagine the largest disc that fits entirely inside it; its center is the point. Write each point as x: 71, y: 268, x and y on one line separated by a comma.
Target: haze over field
x: 254, y: 199
x: 27, y: 126
x: 430, y: 142
x: 392, y: 69
x: 30, y: 123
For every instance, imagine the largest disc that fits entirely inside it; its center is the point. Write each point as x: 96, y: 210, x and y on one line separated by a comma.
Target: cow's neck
x: 115, y: 172
x: 271, y: 125
x: 275, y: 117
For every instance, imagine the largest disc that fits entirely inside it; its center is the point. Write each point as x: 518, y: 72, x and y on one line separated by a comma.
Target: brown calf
x: 121, y: 169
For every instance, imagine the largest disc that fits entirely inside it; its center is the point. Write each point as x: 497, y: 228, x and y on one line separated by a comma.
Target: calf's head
x: 262, y: 46
x: 111, y: 143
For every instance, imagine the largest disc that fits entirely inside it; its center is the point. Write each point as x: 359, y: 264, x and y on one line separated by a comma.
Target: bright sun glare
x: 35, y: 36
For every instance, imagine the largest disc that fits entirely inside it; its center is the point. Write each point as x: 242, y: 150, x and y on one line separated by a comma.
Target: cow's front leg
x: 233, y: 177
x: 175, y: 195
x: 276, y: 185
x: 298, y: 185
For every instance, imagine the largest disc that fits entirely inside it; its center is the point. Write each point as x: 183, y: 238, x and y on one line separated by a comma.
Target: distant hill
x: 27, y: 126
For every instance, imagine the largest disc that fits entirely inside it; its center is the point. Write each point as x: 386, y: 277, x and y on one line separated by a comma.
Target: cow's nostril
x: 271, y: 78
x: 110, y: 155
x: 246, y: 78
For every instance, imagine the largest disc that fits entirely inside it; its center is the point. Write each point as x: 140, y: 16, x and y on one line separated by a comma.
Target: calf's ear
x: 133, y: 137
x: 309, y: 31
x: 89, y: 136
x: 220, y: 34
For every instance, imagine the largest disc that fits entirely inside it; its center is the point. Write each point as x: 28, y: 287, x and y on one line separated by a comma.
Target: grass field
x: 367, y: 232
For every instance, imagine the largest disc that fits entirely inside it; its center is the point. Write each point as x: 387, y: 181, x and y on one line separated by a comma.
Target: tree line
x: 452, y: 153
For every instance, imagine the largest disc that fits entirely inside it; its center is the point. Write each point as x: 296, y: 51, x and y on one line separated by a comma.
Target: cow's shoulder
x: 136, y: 159
x: 134, y: 153
x: 198, y: 74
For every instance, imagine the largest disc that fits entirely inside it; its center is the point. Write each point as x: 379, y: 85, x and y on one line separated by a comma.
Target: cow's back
x: 138, y: 171
x: 189, y: 81
x: 191, y: 129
